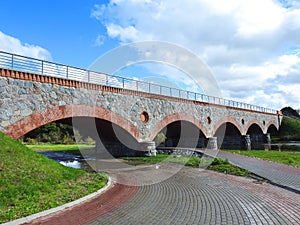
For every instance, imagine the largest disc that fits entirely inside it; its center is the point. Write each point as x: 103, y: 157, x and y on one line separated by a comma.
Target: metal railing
x: 28, y: 64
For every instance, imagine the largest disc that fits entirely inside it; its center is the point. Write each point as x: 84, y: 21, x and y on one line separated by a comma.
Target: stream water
x: 67, y: 159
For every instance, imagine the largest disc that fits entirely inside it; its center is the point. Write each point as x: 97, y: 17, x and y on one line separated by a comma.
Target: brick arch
x: 37, y: 119
x: 272, y: 123
x: 173, y: 118
x: 252, y: 122
x: 227, y: 120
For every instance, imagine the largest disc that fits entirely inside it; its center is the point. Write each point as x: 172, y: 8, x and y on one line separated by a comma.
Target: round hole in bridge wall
x: 243, y: 121
x: 144, y: 117
x: 264, y: 123
x: 208, y: 120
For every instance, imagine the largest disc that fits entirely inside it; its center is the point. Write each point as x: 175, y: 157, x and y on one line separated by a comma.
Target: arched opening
x: 37, y: 119
x: 257, y: 136
x: 110, y: 139
x: 228, y: 136
x: 182, y: 134
x: 56, y: 132
x: 272, y: 130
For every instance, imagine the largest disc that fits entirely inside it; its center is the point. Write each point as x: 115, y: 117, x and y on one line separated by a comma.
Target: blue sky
x: 251, y: 47
x: 64, y: 28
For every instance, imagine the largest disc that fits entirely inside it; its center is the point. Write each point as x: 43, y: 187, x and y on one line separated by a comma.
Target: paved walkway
x: 280, y: 174
x: 191, y: 196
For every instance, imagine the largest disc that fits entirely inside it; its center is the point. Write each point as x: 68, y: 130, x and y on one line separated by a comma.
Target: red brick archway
x: 227, y: 120
x: 252, y: 122
x: 272, y: 123
x: 37, y: 119
x: 173, y: 118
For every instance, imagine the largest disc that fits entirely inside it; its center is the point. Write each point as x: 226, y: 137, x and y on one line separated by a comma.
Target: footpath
x: 282, y: 175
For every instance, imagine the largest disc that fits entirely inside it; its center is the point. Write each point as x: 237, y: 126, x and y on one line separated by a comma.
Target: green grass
x: 223, y: 166
x: 216, y: 164
x: 188, y: 161
x: 288, y: 158
x: 30, y: 182
x: 59, y: 147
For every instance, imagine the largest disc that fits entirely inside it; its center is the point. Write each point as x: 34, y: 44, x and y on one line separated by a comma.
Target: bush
x: 219, y: 161
x: 31, y: 141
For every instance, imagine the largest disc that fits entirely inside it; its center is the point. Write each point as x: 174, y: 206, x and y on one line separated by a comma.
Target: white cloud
x: 13, y: 45
x: 247, y: 44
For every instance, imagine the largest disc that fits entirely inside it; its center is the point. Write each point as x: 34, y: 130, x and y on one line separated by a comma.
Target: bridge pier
x: 212, y: 143
x: 148, y: 147
x: 267, y: 143
x: 246, y: 142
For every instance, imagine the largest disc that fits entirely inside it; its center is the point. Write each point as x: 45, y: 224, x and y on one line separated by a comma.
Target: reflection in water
x: 67, y: 159
x: 74, y: 164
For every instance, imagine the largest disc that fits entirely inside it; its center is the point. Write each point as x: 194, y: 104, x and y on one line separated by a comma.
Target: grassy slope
x: 288, y: 158
x: 30, y: 182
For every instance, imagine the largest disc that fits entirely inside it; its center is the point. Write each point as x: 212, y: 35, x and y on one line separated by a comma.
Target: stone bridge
x: 29, y: 101
x: 117, y: 116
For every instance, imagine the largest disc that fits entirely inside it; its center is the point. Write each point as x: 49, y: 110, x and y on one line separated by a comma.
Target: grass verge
x: 216, y: 164
x: 30, y: 182
x: 288, y: 158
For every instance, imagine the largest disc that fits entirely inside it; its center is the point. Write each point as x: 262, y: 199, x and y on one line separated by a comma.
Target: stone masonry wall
x: 21, y: 98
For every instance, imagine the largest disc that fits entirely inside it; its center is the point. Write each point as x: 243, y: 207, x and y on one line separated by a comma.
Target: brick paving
x: 194, y: 196
x: 191, y: 196
x: 280, y: 174
x: 92, y: 209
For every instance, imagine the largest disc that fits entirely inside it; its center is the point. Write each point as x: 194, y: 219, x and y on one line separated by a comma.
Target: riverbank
x: 30, y: 182
x: 288, y: 158
x: 59, y: 147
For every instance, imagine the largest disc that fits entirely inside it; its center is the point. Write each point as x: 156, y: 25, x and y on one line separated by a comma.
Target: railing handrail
x: 48, y: 68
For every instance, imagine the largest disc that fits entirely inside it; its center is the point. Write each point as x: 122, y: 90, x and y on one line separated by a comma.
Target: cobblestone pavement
x: 194, y: 196
x: 284, y: 175
x: 191, y: 196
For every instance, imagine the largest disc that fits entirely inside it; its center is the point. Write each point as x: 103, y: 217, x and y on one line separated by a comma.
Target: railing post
x: 89, y: 78
x: 149, y: 88
x: 123, y: 82
x: 12, y: 61
x: 67, y: 72
x: 42, y: 72
x: 160, y: 90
